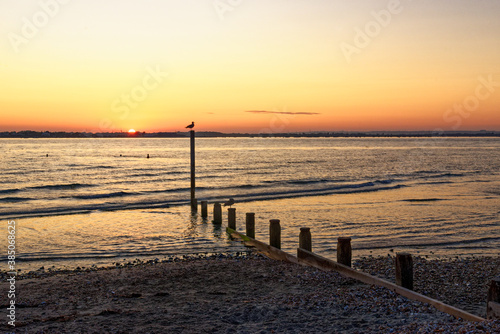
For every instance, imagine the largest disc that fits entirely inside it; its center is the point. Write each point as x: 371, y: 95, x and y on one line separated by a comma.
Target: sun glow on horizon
x: 132, y: 131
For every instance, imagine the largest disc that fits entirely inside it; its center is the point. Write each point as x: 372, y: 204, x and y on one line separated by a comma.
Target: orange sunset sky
x: 249, y: 65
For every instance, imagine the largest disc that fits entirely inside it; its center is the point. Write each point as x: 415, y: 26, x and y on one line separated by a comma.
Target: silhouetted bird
x: 190, y: 126
x: 230, y: 202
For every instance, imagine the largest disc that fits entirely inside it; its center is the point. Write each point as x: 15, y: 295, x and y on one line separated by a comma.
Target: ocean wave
x: 9, y: 191
x: 101, y: 167
x: 342, y: 189
x: 423, y: 200
x: 160, y: 173
x: 156, y: 203
x: 108, y: 195
x: 311, y: 181
x: 70, y: 186
x: 446, y: 175
x: 15, y: 199
x: 246, y: 186
x: 444, y: 244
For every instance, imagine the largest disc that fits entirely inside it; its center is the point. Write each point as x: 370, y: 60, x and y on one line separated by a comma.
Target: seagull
x: 190, y: 126
x: 230, y: 202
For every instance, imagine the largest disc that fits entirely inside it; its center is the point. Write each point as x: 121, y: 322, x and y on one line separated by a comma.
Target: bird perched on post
x: 230, y: 202
x: 190, y: 126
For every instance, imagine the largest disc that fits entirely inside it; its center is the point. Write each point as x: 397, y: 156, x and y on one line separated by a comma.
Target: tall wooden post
x: 493, y: 302
x: 217, y: 213
x: 204, y: 209
x: 305, y: 239
x: 231, y: 218
x: 344, y: 251
x: 275, y: 233
x: 194, y: 205
x: 404, y: 270
x: 250, y: 224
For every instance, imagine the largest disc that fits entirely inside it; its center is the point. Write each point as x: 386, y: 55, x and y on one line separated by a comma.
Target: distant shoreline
x: 208, y: 134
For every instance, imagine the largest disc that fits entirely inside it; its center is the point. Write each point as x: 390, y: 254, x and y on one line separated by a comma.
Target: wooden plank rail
x: 305, y: 257
x: 269, y: 251
x: 322, y: 263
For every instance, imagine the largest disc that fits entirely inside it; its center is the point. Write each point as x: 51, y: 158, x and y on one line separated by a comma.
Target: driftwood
x: 319, y: 262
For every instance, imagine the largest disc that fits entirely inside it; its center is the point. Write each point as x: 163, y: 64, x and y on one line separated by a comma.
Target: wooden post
x: 217, y: 213
x: 204, y: 209
x: 404, y: 270
x: 493, y: 302
x: 194, y: 205
x: 231, y: 218
x: 344, y: 251
x: 250, y: 224
x: 305, y: 239
x: 275, y: 233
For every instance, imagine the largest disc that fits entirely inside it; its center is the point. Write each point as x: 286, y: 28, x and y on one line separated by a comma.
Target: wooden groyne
x: 404, y: 268
x: 264, y: 249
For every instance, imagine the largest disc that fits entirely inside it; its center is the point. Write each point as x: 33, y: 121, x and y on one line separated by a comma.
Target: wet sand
x: 248, y: 294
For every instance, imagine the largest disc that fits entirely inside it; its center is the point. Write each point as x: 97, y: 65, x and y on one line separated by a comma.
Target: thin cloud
x: 282, y: 112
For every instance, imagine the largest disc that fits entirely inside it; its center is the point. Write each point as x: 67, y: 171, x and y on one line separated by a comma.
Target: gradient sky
x: 90, y: 65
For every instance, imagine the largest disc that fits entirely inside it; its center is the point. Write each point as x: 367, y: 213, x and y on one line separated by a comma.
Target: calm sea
x: 101, y: 200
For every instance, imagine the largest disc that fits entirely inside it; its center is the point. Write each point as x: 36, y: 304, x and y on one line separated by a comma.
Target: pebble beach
x: 248, y: 293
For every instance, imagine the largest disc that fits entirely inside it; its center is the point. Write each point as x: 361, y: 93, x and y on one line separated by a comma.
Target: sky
x: 249, y: 65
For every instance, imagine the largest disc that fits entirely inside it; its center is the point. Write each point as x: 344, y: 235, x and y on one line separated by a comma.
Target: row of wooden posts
x: 403, y: 263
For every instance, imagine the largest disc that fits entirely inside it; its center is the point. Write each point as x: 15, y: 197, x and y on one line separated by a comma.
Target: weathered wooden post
x: 194, y: 204
x: 404, y: 270
x: 250, y: 225
x: 305, y: 239
x: 275, y: 233
x: 231, y: 218
x: 217, y: 213
x: 204, y: 209
x: 344, y: 251
x: 493, y: 302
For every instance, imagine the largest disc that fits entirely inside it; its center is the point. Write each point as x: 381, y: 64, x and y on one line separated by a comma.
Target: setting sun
x: 131, y: 131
